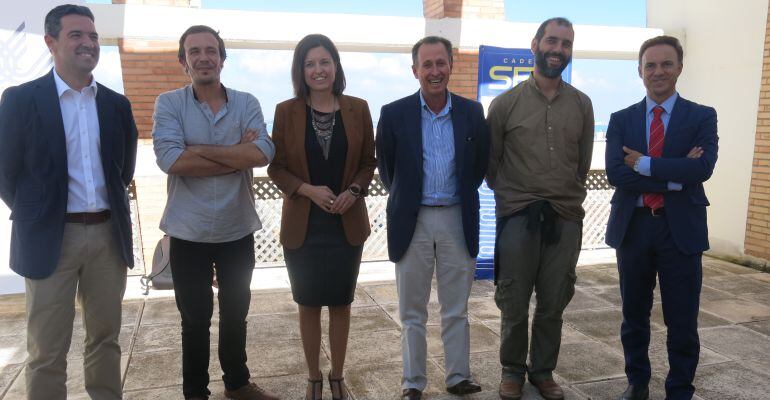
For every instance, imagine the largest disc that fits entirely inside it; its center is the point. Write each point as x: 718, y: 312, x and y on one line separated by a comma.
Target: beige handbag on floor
x: 160, y: 276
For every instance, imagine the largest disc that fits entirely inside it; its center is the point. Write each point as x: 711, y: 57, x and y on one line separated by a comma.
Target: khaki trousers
x: 90, y: 269
x: 438, y: 244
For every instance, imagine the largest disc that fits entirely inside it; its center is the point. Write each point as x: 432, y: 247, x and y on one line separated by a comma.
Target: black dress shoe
x: 464, y: 387
x: 636, y: 393
x: 411, y: 394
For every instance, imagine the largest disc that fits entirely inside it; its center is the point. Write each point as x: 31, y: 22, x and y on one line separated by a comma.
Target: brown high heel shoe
x: 339, y: 384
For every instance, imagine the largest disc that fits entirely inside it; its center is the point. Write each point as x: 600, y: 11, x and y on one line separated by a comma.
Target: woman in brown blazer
x: 323, y: 164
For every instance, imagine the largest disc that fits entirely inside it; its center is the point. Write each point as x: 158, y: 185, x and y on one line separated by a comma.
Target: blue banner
x: 500, y: 69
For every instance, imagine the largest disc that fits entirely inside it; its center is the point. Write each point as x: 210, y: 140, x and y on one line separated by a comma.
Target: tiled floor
x: 735, y: 355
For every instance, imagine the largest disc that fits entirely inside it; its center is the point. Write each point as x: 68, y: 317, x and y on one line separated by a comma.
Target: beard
x: 551, y: 72
x: 199, y: 78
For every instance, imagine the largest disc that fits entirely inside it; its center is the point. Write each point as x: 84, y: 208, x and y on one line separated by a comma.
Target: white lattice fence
x: 597, y: 207
x: 269, y: 201
x: 376, y: 247
x: 268, y: 249
x: 135, y: 228
x: 267, y: 244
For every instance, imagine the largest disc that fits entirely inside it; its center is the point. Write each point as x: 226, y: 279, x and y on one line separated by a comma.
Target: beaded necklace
x: 323, y: 125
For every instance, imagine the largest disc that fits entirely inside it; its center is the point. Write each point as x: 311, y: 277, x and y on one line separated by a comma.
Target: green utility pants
x: 527, y: 263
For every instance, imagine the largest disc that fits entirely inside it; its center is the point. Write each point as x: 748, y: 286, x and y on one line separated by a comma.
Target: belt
x: 649, y: 211
x: 88, y: 218
x: 436, y: 205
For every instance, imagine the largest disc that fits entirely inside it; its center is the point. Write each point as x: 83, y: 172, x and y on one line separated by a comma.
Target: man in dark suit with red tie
x: 659, y: 153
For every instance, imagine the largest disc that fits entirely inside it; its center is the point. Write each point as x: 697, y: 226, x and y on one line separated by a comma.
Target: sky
x: 383, y: 77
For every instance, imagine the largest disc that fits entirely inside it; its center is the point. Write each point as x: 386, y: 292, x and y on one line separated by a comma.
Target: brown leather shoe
x: 510, y: 389
x: 411, y: 394
x: 549, y: 389
x: 249, y: 391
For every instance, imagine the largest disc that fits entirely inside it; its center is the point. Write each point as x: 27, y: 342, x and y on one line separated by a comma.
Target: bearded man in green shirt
x: 542, y: 137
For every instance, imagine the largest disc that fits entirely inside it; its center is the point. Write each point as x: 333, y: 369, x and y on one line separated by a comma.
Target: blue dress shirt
x: 439, y: 183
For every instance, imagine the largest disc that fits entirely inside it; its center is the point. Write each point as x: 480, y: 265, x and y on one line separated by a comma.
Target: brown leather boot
x: 549, y: 389
x: 510, y: 389
x: 249, y: 391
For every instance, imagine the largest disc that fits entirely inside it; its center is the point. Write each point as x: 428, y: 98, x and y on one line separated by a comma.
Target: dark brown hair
x: 52, y: 24
x: 666, y: 40
x: 304, y: 46
x: 561, y: 21
x: 432, y: 40
x: 201, y: 29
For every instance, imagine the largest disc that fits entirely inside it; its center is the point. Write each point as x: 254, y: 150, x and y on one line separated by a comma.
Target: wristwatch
x: 636, y: 164
x: 355, y: 191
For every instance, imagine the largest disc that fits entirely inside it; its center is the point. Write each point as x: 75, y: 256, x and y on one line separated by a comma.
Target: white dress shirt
x: 87, y: 191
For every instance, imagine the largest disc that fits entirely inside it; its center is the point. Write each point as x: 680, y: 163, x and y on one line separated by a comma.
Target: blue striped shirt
x: 439, y: 183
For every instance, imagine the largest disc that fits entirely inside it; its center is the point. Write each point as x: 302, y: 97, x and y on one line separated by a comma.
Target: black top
x: 326, y: 172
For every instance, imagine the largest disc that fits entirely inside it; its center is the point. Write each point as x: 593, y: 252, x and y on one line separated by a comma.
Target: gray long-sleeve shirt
x: 211, y: 209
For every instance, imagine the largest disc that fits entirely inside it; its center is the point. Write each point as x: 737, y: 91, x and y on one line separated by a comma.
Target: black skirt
x: 324, y: 270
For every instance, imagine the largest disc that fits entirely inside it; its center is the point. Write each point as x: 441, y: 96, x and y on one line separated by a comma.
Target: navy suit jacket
x: 400, y: 162
x: 691, y: 125
x: 34, y: 177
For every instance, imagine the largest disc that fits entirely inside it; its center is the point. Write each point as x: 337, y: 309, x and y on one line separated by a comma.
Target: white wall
x: 723, y: 52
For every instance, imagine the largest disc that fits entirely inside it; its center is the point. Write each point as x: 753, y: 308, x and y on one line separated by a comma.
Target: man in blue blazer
x: 433, y: 149
x: 67, y: 156
x: 659, y: 153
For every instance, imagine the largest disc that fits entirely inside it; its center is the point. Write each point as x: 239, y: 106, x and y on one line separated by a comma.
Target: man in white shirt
x: 67, y: 156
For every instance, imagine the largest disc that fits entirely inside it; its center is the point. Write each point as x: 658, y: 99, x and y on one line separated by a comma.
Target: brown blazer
x: 289, y: 169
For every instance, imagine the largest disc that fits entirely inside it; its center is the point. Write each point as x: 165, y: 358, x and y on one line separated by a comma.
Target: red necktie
x: 655, y: 150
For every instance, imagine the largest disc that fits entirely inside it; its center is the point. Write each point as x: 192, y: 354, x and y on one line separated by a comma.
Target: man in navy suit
x: 432, y: 149
x: 659, y: 153
x: 67, y: 156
